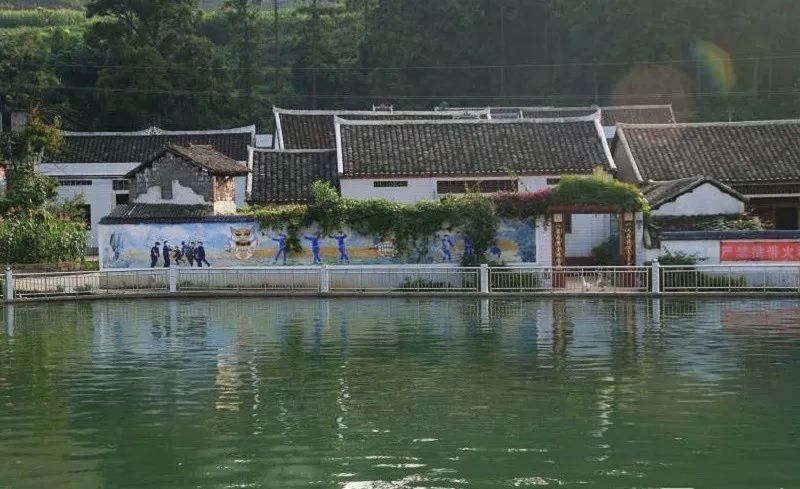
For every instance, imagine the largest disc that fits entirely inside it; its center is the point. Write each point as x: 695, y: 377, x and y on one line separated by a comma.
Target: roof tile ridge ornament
x: 153, y: 130
x: 637, y: 106
x: 293, y: 151
x: 340, y: 112
x: 593, y: 117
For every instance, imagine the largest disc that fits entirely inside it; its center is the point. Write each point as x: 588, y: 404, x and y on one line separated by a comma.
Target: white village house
x: 95, y: 164
x: 760, y: 160
x: 406, y: 160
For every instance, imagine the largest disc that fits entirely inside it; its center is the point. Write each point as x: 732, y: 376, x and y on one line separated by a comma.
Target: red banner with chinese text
x: 776, y: 250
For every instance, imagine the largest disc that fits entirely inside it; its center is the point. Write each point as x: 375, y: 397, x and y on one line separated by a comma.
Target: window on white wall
x: 390, y: 183
x: 120, y: 184
x: 482, y: 186
x: 75, y: 183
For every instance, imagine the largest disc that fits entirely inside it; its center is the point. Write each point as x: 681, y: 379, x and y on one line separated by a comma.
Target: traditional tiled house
x: 285, y: 176
x: 693, y: 196
x: 95, y: 163
x: 314, y: 129
x: 406, y: 161
x: 194, y: 175
x: 760, y: 160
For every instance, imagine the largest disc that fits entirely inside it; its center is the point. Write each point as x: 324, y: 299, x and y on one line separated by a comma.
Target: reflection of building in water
x: 227, y: 381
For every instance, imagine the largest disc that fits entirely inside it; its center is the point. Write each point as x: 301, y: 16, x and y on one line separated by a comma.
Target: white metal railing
x: 411, y: 279
x: 403, y: 279
x: 570, y: 279
x: 730, y: 278
x: 249, y: 279
x: 54, y: 284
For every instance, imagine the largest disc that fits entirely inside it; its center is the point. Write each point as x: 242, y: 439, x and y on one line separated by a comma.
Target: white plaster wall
x: 100, y: 196
x: 588, y: 231
x: 421, y: 188
x: 704, y: 200
x: 240, y: 192
x: 544, y: 243
x: 708, y: 249
x: 418, y: 189
x: 180, y: 195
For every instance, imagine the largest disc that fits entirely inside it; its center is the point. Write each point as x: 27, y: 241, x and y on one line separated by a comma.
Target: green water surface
x: 401, y: 393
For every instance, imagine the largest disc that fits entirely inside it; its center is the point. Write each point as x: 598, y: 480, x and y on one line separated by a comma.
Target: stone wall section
x: 172, y: 168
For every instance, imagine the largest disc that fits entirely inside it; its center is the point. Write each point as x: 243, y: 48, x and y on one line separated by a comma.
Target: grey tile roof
x: 637, y: 114
x: 611, y: 115
x: 735, y: 152
x: 135, y: 147
x: 160, y: 211
x: 556, y: 112
x: 659, y: 193
x: 285, y: 176
x: 472, y: 147
x: 133, y: 213
x: 314, y: 129
x: 204, y: 157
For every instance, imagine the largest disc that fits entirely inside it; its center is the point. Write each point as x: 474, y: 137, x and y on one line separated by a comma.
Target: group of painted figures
x: 446, y: 241
x: 283, y: 254
x: 185, y: 254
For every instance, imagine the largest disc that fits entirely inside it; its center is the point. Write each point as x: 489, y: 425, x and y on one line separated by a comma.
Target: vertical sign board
x: 767, y: 250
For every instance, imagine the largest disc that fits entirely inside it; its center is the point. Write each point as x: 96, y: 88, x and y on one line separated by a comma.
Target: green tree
x: 157, y: 69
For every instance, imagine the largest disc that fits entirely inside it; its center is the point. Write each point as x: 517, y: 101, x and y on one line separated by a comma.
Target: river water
x: 401, y: 393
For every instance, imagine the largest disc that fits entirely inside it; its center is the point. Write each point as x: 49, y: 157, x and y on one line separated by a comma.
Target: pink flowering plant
x: 522, y: 204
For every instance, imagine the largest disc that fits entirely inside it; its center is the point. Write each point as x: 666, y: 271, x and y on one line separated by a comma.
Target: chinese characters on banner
x: 759, y: 250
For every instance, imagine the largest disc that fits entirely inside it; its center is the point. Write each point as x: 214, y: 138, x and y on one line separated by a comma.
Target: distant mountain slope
x: 206, y: 4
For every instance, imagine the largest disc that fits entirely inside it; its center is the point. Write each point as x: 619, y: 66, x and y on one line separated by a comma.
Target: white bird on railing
x: 601, y: 284
x: 586, y: 285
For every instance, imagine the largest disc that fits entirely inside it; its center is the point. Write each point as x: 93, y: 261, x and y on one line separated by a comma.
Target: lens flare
x: 716, y: 67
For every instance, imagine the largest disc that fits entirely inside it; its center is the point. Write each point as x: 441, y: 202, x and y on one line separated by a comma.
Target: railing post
x: 172, y: 275
x: 484, y: 278
x: 655, y: 277
x: 8, y: 285
x: 324, y: 279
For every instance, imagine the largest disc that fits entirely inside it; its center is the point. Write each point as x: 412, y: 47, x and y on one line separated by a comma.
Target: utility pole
x: 315, y: 51
x: 276, y: 68
x: 502, y: 49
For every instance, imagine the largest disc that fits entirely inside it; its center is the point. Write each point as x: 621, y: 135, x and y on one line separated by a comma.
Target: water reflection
x: 399, y: 393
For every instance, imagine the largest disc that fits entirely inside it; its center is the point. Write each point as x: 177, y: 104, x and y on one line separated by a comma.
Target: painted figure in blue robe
x: 340, y: 240
x: 447, y: 243
x: 469, y: 246
x: 281, y: 240
x: 495, y: 250
x: 315, y: 248
x: 165, y: 252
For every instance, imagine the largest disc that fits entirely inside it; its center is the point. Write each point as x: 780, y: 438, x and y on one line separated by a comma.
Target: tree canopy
x: 131, y: 64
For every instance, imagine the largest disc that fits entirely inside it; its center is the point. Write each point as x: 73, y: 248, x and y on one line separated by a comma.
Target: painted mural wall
x: 246, y: 244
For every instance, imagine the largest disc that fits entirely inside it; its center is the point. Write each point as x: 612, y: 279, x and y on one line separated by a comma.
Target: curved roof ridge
x: 336, y: 112
x: 157, y: 131
x: 623, y: 125
x: 538, y: 120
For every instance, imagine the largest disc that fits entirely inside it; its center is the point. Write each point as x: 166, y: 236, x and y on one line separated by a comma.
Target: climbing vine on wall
x: 411, y: 226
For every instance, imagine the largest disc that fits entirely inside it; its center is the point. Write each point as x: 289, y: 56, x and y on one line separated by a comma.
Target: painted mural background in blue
x: 243, y: 244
